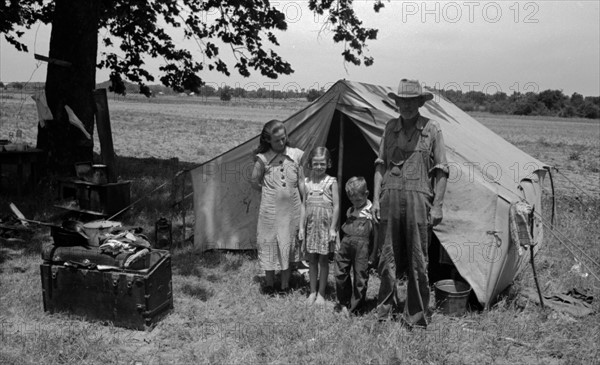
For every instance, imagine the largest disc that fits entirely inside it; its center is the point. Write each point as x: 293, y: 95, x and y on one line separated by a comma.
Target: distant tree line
x: 545, y: 103
x: 226, y: 93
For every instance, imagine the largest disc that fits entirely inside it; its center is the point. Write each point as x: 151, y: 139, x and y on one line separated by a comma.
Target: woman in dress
x: 279, y: 176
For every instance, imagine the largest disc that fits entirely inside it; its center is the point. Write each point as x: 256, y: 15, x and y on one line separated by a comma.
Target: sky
x: 486, y: 46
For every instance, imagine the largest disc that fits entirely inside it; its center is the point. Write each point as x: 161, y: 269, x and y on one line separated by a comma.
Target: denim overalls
x: 353, y: 256
x: 405, y: 201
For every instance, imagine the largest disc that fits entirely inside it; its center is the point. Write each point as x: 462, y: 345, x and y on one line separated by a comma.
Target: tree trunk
x: 74, y: 39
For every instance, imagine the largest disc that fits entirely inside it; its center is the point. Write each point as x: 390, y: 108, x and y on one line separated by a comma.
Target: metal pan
x: 66, y: 237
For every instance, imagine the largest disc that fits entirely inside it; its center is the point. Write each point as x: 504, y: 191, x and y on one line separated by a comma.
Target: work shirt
x: 410, y: 160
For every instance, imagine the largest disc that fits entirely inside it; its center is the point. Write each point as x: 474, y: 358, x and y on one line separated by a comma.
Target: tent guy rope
x: 571, y: 251
x: 572, y: 182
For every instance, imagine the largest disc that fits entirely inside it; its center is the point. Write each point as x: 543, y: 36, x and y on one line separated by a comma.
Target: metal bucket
x: 83, y: 170
x: 99, y: 175
x: 451, y: 296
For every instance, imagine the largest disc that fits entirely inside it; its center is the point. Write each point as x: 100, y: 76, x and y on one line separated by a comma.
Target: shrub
x: 577, y: 153
x: 541, y: 140
x: 225, y: 94
x: 589, y: 110
x: 313, y: 94
x: 575, y: 156
x: 500, y: 108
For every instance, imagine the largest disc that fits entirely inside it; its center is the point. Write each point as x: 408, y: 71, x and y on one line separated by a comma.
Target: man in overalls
x: 410, y: 180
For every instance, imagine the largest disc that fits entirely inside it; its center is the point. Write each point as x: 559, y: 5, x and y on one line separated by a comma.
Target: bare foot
x: 311, y: 299
x: 320, y: 300
x: 345, y: 312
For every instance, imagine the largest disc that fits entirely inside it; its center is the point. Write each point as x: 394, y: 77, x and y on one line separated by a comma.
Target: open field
x: 184, y: 127
x: 570, y: 145
x: 220, y: 316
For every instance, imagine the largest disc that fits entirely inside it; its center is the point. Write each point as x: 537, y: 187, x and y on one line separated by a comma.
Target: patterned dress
x: 279, y: 213
x: 319, y: 212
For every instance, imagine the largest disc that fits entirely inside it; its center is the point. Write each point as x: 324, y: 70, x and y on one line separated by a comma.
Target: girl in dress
x: 279, y: 176
x: 319, y: 221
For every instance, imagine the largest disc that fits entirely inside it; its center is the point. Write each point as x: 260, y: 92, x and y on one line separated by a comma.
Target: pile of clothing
x: 127, y: 242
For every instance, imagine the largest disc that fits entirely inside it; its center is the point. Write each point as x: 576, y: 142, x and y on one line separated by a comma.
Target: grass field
x: 220, y: 316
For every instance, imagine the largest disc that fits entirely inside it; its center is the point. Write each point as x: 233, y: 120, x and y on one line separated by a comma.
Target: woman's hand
x: 376, y: 210
x: 301, y: 234
x: 332, y: 235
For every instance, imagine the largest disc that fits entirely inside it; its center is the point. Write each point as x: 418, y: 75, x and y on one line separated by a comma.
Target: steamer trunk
x: 135, y: 299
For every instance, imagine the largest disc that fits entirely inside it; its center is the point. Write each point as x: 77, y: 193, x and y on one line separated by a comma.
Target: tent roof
x: 471, y: 147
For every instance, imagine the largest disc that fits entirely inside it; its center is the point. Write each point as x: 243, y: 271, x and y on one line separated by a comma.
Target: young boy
x: 353, y: 253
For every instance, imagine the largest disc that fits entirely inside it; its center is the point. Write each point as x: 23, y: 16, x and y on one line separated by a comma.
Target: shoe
x: 268, y: 290
x: 285, y: 291
x: 311, y: 299
x: 412, y: 326
x: 341, y: 309
x: 390, y: 317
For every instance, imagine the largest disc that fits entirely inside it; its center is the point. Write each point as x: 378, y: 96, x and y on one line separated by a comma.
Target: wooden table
x: 99, y: 199
x: 32, y: 159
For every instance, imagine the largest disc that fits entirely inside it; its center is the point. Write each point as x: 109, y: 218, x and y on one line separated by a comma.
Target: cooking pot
x: 70, y: 233
x: 95, y: 229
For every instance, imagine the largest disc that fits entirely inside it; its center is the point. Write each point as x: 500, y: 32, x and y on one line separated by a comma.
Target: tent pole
x: 182, y: 209
x: 340, y: 157
x: 553, y: 196
x: 535, y: 278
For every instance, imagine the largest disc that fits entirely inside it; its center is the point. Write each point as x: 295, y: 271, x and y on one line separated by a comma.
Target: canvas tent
x: 487, y: 176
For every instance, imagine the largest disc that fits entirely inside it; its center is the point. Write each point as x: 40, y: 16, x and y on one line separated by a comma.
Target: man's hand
x: 435, y: 215
x: 373, y: 260
x: 301, y: 234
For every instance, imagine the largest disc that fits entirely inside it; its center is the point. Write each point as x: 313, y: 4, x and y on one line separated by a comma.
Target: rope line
x: 38, y: 64
x: 571, y: 181
x: 564, y: 236
x: 573, y: 253
x: 573, y: 244
x: 149, y: 193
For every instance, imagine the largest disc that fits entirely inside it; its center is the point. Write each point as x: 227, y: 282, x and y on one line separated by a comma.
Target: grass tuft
x: 196, y: 291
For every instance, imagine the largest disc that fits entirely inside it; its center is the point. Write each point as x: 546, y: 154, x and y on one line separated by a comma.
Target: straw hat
x: 410, y: 89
